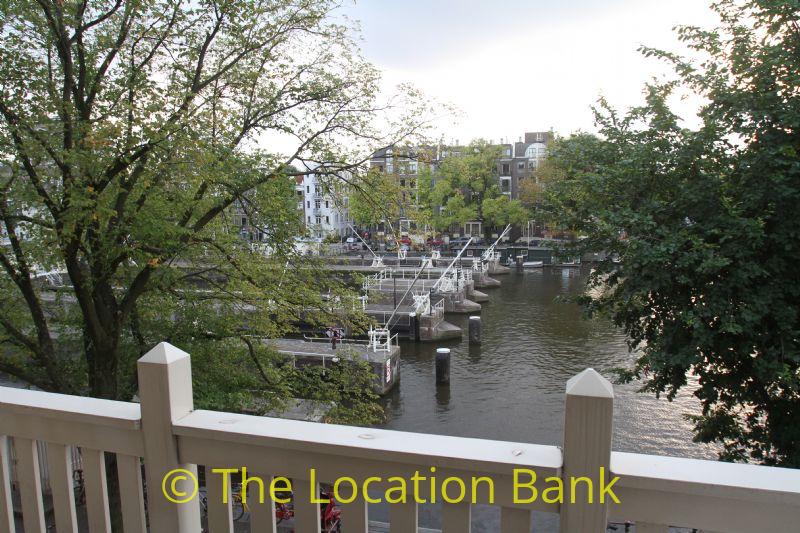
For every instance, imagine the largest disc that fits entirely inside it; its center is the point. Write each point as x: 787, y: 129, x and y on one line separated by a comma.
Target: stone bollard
x: 474, y: 330
x: 442, y: 366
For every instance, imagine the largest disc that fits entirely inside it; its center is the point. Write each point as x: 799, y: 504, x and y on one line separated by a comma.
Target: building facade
x: 518, y: 162
x: 325, y: 212
x: 405, y: 166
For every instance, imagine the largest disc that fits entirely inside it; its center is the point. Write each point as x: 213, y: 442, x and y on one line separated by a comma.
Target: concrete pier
x: 478, y: 296
x: 496, y: 269
x: 483, y: 281
x: 385, y: 364
x: 430, y: 327
x: 390, y: 291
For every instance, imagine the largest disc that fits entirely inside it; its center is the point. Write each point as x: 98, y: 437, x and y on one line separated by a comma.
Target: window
x: 413, y: 184
x: 317, y: 204
x: 308, y: 204
x: 319, y: 220
x: 402, y: 183
x: 327, y: 219
x: 308, y: 189
x: 309, y: 219
x: 326, y: 204
x: 521, y: 166
x: 506, y: 169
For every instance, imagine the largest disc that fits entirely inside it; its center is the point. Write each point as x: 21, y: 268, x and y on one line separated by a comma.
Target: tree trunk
x: 102, y: 355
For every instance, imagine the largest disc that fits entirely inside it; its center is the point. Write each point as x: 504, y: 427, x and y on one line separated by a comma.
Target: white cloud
x: 508, y: 79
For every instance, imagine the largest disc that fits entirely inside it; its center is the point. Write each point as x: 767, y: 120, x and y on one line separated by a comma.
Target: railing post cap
x: 163, y: 354
x: 590, y: 383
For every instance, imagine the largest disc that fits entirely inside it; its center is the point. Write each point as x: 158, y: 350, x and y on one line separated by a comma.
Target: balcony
x: 164, y: 433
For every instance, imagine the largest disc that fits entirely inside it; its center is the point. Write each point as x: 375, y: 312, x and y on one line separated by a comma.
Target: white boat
x: 533, y: 264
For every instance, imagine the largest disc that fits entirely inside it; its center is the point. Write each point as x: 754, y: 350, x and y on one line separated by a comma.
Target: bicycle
x: 79, y: 486
x: 330, y: 514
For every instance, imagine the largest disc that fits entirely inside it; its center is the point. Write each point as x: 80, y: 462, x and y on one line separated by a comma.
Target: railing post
x: 588, y: 423
x: 165, y: 391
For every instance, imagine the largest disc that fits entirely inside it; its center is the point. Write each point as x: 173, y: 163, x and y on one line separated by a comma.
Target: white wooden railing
x: 168, y: 433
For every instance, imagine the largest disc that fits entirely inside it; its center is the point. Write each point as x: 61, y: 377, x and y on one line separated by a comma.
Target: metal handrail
x: 450, y: 266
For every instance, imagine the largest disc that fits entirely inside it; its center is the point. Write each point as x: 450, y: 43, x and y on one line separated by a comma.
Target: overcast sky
x: 513, y: 66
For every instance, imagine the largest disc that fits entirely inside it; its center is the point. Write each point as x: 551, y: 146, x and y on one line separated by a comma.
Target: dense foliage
x: 465, y: 188
x: 705, y: 223
x: 136, y: 137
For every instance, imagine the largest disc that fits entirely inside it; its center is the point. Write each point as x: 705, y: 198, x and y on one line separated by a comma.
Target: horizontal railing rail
x: 164, y: 433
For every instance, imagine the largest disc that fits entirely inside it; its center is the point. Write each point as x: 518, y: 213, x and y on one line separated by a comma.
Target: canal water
x: 512, y: 386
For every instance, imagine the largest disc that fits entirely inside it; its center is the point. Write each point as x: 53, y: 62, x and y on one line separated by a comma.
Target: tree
x: 502, y: 211
x: 465, y: 188
x: 375, y: 199
x: 134, y: 137
x: 704, y: 222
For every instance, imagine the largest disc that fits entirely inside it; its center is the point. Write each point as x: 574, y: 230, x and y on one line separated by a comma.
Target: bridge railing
x: 164, y: 432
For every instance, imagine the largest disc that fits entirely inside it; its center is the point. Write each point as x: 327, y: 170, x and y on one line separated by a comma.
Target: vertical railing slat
x: 403, y: 517
x: 59, y: 459
x: 94, y: 478
x: 30, y: 485
x: 6, y: 505
x: 646, y: 527
x: 513, y: 520
x: 129, y: 472
x: 355, y: 516
x: 456, y: 517
x: 306, y: 513
x: 220, y: 516
x: 262, y: 515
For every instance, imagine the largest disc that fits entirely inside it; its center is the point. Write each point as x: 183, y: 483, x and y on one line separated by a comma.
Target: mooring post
x: 414, y: 320
x: 475, y: 330
x: 519, y: 263
x: 442, y: 366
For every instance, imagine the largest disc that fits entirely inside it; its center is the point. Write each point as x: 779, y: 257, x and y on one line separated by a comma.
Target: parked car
x: 458, y: 243
x: 353, y: 244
